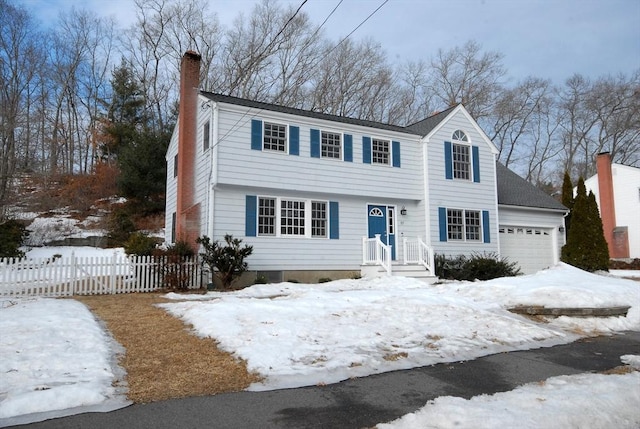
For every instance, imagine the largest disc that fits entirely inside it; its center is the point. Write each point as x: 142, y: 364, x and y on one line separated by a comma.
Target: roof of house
x: 513, y: 190
x: 425, y: 126
x: 301, y: 112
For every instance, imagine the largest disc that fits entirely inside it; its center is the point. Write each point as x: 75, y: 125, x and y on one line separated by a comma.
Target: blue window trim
x: 366, y: 150
x: 314, y: 137
x: 395, y: 153
x: 486, y: 227
x: 476, y: 163
x: 294, y: 140
x: 334, y: 222
x: 442, y: 221
x: 251, y: 215
x: 348, y: 148
x: 256, y: 134
x: 448, y: 160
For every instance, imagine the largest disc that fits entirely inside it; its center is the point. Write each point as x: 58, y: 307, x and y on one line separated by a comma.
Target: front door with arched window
x: 381, y: 220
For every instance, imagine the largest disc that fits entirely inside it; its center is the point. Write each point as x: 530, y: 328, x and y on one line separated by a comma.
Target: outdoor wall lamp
x: 403, y: 211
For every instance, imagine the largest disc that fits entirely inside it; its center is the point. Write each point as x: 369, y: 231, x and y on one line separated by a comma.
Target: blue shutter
x: 476, y: 163
x: 294, y: 140
x: 395, y: 153
x: 315, y: 143
x: 348, y: 148
x: 448, y: 160
x: 256, y: 134
x: 486, y: 227
x: 334, y: 221
x: 251, y: 213
x: 366, y: 150
x: 442, y: 220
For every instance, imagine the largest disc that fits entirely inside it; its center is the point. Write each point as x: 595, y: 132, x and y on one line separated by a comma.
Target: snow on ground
x: 301, y: 334
x: 55, y: 356
x: 593, y: 401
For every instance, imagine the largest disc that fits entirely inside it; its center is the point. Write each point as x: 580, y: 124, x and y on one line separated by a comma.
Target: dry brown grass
x: 163, y: 359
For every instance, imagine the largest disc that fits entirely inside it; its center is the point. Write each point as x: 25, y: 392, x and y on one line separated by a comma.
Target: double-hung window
x: 275, y: 137
x: 206, y: 132
x: 331, y: 146
x: 380, y: 151
x: 461, y: 162
x: 292, y: 217
x: 463, y: 225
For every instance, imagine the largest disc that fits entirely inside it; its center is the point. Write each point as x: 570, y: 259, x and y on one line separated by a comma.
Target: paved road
x: 363, y: 402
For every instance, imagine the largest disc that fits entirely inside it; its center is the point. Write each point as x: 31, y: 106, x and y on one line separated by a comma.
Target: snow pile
x: 54, y: 356
x: 592, y: 401
x: 296, y: 334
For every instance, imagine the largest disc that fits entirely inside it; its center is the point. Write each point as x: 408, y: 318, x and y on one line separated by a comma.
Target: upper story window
x: 461, y: 156
x: 331, y: 146
x: 275, y: 137
x: 206, y: 131
x: 461, y: 161
x: 175, y: 165
x: 380, y: 151
x: 460, y: 136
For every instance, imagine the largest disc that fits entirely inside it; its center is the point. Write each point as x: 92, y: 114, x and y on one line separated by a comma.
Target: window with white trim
x: 292, y: 218
x: 274, y: 137
x: 266, y: 216
x: 461, y: 161
x: 464, y: 225
x: 331, y: 145
x: 319, y: 219
x: 380, y: 150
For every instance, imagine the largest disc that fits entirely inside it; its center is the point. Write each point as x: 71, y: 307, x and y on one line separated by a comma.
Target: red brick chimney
x: 188, y: 211
x: 607, y: 203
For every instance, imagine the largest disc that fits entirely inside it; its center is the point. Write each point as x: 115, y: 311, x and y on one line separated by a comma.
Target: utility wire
x: 233, y: 127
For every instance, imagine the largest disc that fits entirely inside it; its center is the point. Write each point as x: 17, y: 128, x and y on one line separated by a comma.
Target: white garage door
x: 531, y: 248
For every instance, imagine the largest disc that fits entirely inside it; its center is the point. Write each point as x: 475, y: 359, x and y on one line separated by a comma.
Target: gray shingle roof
x: 513, y: 190
x: 425, y: 126
x: 301, y: 112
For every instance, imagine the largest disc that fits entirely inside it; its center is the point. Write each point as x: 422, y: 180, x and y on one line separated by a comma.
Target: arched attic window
x: 460, y: 136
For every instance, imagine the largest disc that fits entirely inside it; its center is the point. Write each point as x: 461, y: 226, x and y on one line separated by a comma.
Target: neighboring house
x: 617, y: 191
x: 319, y: 195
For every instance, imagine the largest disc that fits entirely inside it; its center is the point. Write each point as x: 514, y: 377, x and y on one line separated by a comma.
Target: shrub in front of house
x: 176, y: 264
x: 225, y: 260
x: 478, y: 266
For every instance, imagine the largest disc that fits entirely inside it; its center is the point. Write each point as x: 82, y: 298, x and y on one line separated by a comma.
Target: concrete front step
x: 414, y: 271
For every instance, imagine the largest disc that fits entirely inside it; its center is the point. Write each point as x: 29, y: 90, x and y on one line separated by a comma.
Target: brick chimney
x: 188, y: 211
x: 607, y: 203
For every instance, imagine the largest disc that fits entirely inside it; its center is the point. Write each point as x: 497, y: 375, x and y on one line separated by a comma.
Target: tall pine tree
x: 567, y: 200
x: 586, y: 246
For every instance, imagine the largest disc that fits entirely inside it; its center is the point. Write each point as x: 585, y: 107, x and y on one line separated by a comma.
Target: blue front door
x: 381, y: 221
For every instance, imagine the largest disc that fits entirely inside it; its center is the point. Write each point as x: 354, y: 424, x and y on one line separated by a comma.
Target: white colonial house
x: 617, y: 191
x: 319, y: 195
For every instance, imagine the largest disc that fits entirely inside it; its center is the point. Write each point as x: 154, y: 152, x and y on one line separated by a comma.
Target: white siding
x: 460, y: 194
x: 171, y: 189
x: 284, y: 253
x: 240, y: 165
x: 626, y: 193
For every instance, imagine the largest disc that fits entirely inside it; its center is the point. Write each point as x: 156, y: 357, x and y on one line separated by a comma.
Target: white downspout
x: 213, y: 171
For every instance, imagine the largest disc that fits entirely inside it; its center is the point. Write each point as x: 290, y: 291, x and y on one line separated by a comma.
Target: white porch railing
x: 416, y: 251
x: 375, y: 252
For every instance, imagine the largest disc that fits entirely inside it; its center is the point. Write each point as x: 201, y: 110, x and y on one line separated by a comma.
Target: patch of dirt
x: 163, y: 360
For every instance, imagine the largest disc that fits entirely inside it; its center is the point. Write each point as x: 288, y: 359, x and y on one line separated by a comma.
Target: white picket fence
x: 92, y: 275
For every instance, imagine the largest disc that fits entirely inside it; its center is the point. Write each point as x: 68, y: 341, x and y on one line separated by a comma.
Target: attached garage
x: 531, y: 223
x: 532, y: 248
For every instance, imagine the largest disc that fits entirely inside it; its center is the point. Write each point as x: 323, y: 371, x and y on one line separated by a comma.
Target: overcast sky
x: 544, y: 38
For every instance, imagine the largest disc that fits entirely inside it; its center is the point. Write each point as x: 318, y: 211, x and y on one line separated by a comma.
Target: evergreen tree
x: 586, y: 247
x: 567, y: 200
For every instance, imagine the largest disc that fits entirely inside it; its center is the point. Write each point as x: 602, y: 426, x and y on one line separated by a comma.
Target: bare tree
x: 468, y: 76
x: 19, y: 45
